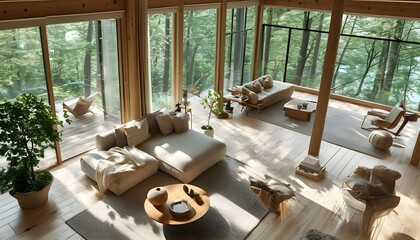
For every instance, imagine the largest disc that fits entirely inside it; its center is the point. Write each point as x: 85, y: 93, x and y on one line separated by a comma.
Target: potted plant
x: 28, y: 128
x: 210, y: 102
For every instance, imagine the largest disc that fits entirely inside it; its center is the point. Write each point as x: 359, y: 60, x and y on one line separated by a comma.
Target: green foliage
x: 210, y: 102
x: 358, y: 72
x: 28, y: 128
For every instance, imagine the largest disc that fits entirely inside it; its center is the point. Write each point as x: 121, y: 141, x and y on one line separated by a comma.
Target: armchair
x: 82, y: 105
x: 385, y: 120
x: 372, y: 192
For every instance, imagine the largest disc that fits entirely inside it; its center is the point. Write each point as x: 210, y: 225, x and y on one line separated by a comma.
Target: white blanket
x: 119, y: 162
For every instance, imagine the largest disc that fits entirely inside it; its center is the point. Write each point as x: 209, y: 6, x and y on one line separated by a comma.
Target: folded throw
x: 119, y: 162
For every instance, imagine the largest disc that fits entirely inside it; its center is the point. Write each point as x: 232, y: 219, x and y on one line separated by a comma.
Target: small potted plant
x: 28, y: 128
x: 210, y: 102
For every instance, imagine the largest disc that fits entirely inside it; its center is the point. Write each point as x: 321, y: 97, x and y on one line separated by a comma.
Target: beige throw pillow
x: 120, y: 137
x: 165, y: 123
x: 253, y: 98
x: 151, y: 120
x: 181, y: 121
x: 254, y: 86
x: 268, y: 82
x: 137, y: 132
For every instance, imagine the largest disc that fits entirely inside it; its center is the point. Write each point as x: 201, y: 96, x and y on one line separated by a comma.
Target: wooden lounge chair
x: 383, y: 119
x: 82, y: 106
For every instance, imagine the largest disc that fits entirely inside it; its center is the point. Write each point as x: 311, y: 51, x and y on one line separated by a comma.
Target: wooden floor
x: 265, y: 147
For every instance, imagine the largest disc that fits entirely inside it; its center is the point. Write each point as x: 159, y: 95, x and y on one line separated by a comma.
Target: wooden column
x: 257, y: 39
x: 327, y: 77
x: 178, y: 51
x: 220, y: 49
x: 415, y: 157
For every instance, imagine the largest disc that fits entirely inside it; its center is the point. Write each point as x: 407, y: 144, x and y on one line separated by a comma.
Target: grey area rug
x: 234, y: 210
x: 342, y: 127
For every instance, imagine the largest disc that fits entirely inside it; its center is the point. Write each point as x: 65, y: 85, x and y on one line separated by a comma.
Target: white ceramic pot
x: 209, y: 133
x: 157, y: 196
x: 33, y: 199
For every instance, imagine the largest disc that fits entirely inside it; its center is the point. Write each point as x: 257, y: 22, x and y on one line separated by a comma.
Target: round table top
x: 176, y: 193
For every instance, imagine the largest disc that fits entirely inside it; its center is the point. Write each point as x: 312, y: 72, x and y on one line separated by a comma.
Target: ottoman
x: 381, y: 139
x: 89, y: 162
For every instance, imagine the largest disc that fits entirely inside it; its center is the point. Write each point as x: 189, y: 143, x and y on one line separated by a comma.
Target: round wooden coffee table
x: 177, y: 193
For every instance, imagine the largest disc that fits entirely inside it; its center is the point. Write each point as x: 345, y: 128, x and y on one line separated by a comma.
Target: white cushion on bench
x: 89, y: 162
x: 184, y: 155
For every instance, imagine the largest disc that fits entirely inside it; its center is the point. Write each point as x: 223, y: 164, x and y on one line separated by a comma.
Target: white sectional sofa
x: 168, y: 145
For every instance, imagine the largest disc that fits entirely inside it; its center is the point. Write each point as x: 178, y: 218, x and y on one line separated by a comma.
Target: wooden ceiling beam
x: 10, y: 10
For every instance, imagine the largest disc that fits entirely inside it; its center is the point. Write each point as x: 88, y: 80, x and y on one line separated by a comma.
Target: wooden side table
x: 176, y: 193
x: 408, y: 117
x: 304, y: 114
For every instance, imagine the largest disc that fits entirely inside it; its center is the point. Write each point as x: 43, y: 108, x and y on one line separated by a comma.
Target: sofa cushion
x: 254, y: 86
x: 253, y: 98
x: 137, y: 132
x: 165, y: 123
x: 120, y: 136
x: 151, y: 121
x: 89, y: 162
x: 184, y: 155
x: 249, y: 96
x: 181, y: 121
x: 280, y: 90
x: 268, y: 82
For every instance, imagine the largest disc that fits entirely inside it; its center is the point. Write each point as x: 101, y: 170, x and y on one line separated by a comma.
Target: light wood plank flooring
x: 263, y: 146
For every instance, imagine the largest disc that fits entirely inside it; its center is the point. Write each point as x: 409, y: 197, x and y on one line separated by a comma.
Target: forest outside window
x: 84, y: 62
x: 239, y: 48
x: 377, y: 57
x: 161, y: 61
x: 199, y: 49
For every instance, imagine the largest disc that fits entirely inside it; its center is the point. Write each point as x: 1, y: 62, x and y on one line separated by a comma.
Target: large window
x: 239, y: 48
x: 377, y: 59
x: 199, y: 49
x: 160, y: 31
x: 83, y: 62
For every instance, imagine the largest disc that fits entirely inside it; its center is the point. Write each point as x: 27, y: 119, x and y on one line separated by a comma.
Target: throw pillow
x: 151, y: 120
x: 254, y: 86
x: 165, y: 123
x: 120, y: 137
x: 253, y: 98
x: 268, y: 82
x: 137, y: 132
x: 245, y: 94
x: 261, y: 80
x: 181, y: 121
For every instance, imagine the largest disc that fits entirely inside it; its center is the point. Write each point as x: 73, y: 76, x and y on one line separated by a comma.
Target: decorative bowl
x: 180, y: 209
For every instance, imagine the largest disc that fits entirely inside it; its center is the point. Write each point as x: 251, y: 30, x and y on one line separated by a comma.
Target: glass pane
x: 108, y: 59
x: 377, y: 59
x: 22, y: 70
x: 21, y: 64
x: 199, y: 49
x: 84, y: 69
x: 160, y: 30
x: 239, y: 46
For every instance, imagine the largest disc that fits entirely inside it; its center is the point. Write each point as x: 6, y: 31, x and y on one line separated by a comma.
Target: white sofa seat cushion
x: 89, y: 162
x: 184, y: 155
